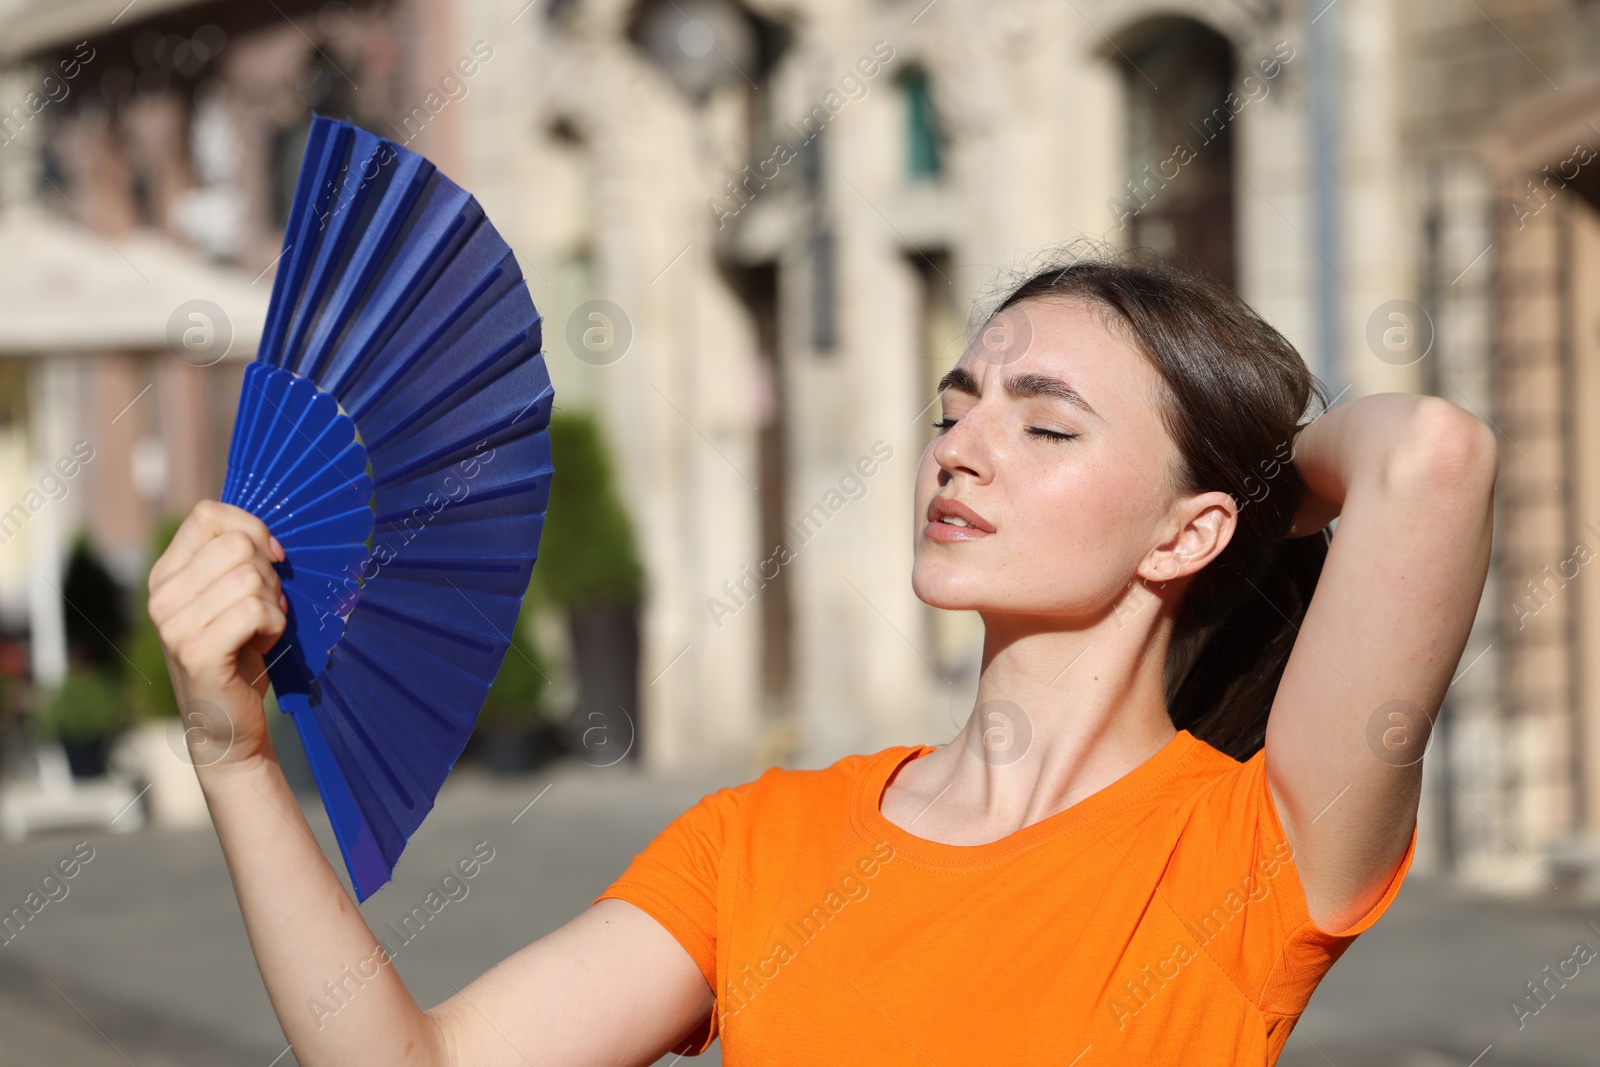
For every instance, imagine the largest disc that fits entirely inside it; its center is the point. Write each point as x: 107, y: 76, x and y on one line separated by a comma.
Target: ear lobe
x: 1167, y: 568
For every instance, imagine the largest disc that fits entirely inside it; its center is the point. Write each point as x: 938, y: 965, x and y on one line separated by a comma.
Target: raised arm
x: 611, y: 986
x: 1411, y: 479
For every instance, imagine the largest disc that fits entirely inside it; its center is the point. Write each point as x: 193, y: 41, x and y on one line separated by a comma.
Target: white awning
x: 28, y: 27
x: 64, y: 287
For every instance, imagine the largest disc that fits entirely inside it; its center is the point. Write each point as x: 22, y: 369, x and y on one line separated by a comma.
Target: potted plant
x: 83, y: 713
x: 87, y: 709
x: 589, y: 568
x: 512, y: 733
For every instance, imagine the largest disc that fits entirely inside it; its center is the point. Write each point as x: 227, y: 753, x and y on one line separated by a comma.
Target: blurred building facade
x: 757, y: 232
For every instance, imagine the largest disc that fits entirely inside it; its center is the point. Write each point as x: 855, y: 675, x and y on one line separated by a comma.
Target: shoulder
x: 1206, y: 768
x: 793, y: 795
x: 836, y: 781
x: 1211, y: 789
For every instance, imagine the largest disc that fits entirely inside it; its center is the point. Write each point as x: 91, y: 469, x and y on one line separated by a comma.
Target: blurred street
x: 146, y: 962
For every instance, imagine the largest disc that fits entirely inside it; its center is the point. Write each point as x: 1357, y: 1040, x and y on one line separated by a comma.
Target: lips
x: 941, y: 507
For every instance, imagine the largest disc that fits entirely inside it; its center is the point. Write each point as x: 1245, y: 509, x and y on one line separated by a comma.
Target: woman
x: 1122, y: 858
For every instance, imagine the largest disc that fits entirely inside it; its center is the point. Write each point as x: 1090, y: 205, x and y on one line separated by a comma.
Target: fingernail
x: 277, y: 547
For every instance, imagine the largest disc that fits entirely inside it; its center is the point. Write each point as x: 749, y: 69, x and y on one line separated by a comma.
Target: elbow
x: 1444, y: 450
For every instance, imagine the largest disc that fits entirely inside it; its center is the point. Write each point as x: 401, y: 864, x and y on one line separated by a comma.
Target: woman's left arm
x: 1411, y: 479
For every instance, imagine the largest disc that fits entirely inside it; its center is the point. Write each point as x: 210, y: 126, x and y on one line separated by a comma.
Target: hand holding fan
x: 392, y: 434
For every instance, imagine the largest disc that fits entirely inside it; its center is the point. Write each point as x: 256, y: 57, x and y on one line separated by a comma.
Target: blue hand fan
x: 392, y: 434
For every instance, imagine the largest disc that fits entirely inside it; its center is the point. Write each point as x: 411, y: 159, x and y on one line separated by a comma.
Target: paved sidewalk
x: 1431, y: 985
x: 145, y: 962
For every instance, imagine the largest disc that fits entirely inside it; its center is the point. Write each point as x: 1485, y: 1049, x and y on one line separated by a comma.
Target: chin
x: 937, y: 587
x: 939, y: 584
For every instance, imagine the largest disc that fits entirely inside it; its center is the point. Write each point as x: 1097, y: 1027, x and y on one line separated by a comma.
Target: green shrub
x: 586, y: 556
x: 586, y: 551
x: 517, y: 696
x: 86, y: 706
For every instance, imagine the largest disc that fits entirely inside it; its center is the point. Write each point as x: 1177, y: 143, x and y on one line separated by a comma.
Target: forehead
x: 1078, y: 340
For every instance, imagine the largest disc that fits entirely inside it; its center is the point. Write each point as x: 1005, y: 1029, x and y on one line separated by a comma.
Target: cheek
x: 1077, y: 530
x: 1103, y: 499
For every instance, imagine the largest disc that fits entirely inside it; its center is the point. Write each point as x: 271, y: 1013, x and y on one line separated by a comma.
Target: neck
x: 1078, y: 688
x: 1060, y: 714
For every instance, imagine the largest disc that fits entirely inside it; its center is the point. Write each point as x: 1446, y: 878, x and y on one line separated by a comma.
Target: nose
x: 964, y: 448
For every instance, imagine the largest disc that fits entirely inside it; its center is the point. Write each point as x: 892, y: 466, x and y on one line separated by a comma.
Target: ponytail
x: 1221, y: 682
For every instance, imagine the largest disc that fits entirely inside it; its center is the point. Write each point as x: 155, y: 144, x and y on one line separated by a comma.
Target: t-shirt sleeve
x: 676, y: 880
x: 1241, y: 898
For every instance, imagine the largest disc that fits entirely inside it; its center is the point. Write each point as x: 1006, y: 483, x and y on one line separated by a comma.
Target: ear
x: 1209, y: 520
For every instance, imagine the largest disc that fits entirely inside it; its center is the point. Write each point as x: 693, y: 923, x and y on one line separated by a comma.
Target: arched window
x: 1179, y: 195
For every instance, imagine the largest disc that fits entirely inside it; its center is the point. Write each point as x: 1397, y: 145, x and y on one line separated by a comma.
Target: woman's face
x: 1052, y: 438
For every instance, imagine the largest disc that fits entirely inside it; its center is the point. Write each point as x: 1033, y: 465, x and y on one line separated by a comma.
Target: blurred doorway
x: 757, y: 288
x: 1178, y: 199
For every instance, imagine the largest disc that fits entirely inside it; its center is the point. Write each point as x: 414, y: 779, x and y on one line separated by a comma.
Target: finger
x: 207, y: 520
x: 217, y: 557
x: 213, y: 654
x: 189, y: 600
x: 243, y: 582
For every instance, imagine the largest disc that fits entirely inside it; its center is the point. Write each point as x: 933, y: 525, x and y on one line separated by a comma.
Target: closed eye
x: 1037, y: 431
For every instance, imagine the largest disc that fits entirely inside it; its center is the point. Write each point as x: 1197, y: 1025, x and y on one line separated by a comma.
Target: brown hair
x: 1237, y: 394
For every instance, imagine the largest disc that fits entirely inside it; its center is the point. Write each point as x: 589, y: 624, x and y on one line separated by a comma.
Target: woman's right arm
x: 610, y: 987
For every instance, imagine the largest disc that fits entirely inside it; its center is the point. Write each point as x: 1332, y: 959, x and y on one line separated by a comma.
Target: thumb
x: 253, y: 668
x: 263, y: 641
x: 261, y: 644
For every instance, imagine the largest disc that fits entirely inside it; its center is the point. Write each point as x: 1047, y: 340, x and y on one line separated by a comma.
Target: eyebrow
x: 1020, y: 386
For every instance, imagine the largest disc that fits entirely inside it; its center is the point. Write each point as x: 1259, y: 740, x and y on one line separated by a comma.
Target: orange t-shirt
x: 1158, y: 921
